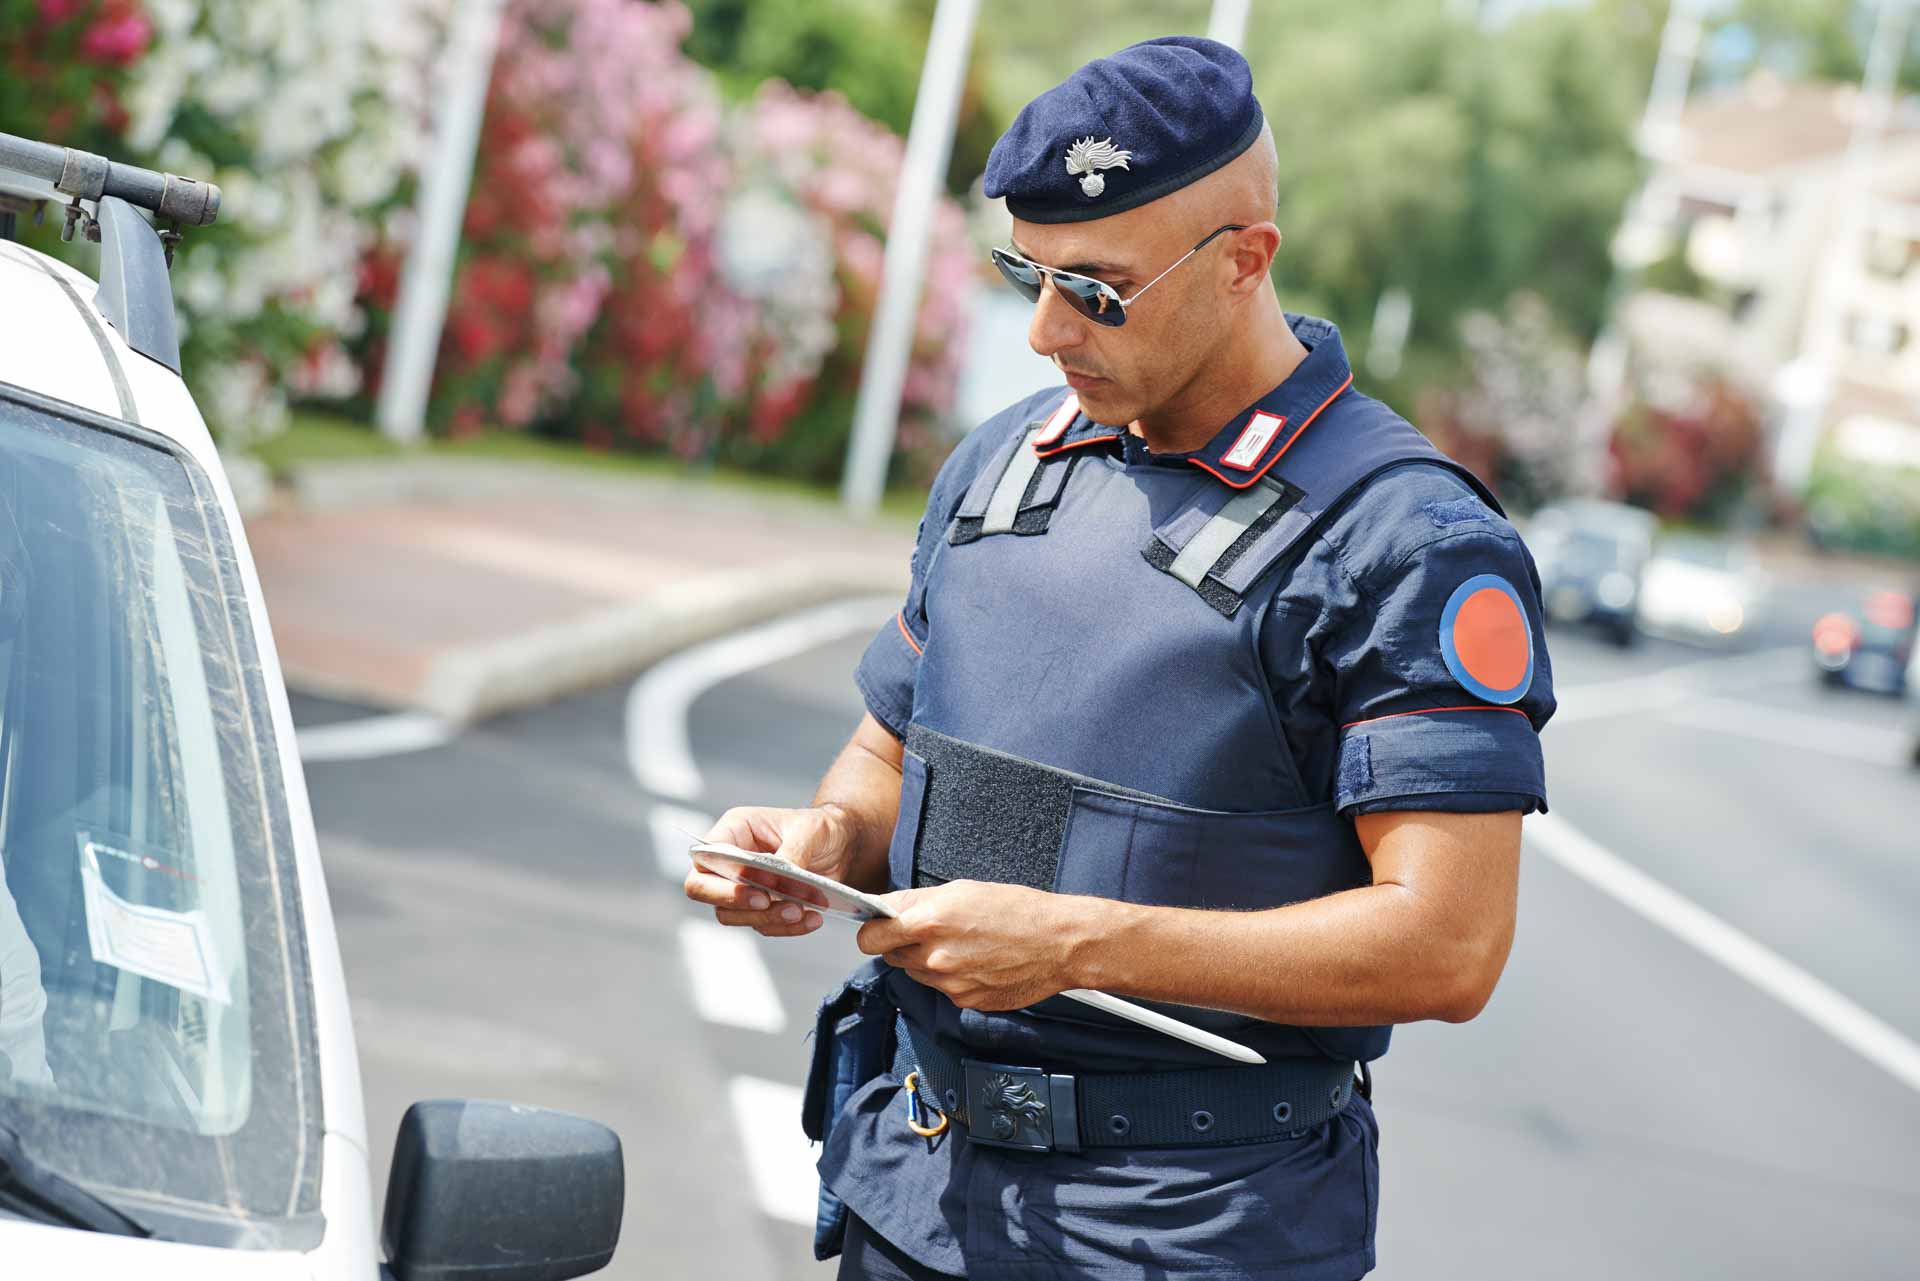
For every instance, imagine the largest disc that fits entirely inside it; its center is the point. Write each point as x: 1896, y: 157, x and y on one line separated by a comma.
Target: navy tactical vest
x: 1091, y: 714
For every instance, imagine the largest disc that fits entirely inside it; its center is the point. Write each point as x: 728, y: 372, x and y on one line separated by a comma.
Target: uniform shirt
x: 1373, y: 710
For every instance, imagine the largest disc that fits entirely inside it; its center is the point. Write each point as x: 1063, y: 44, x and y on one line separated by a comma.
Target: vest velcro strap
x: 1201, y: 541
x: 1012, y: 488
x: 1203, y: 552
x: 1014, y: 494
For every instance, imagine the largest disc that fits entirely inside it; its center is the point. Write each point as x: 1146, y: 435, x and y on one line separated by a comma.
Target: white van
x: 179, y: 1092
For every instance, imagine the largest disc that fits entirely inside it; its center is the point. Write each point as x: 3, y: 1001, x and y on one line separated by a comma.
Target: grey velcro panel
x: 1233, y: 519
x: 1012, y: 489
x: 989, y: 816
x: 981, y: 491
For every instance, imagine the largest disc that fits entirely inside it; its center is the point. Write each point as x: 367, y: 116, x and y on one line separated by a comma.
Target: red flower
x: 117, y: 41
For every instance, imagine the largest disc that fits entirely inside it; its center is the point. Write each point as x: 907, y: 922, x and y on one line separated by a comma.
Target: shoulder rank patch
x: 1486, y: 639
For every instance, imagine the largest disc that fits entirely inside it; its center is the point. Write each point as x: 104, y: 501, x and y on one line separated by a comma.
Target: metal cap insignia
x: 1085, y: 158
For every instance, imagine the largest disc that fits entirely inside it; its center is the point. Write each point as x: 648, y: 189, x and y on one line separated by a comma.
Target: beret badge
x: 1086, y: 158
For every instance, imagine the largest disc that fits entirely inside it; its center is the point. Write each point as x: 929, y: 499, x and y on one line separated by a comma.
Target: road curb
x: 534, y: 667
x: 347, y: 484
x: 549, y: 660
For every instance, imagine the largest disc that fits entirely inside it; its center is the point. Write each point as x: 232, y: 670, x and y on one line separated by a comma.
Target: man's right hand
x: 819, y: 839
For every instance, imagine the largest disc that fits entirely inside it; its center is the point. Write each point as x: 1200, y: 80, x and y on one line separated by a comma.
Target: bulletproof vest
x: 1091, y: 714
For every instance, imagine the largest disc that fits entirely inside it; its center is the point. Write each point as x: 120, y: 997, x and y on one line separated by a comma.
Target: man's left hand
x: 987, y: 946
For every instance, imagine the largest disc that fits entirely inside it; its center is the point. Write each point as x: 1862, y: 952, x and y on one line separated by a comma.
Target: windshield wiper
x: 33, y: 1191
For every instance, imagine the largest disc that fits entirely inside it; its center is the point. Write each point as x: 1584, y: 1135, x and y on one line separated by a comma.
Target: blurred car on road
x: 180, y: 1092
x: 1913, y: 708
x: 1700, y: 589
x: 1870, y: 648
x: 1592, y: 556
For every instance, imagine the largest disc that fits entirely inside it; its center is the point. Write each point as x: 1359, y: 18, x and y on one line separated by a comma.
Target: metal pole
x: 427, y: 280
x: 1228, y: 22
x: 1822, y: 333
x: 1672, y: 73
x: 876, y: 413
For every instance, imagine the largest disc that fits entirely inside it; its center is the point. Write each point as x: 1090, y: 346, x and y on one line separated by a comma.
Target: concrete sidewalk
x: 467, y: 588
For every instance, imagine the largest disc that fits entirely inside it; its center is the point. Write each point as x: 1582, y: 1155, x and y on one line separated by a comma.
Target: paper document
x: 175, y: 948
x: 831, y: 898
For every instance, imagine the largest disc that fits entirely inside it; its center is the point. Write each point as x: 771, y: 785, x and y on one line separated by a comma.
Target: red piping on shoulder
x: 1072, y: 444
x: 1057, y: 425
x: 1429, y: 711
x: 1242, y: 484
x: 901, y: 619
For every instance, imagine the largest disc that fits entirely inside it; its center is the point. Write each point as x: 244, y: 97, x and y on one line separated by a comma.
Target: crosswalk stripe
x: 731, y: 984
x: 779, y: 1158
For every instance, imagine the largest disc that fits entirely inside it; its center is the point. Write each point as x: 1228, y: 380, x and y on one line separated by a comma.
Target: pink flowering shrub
x: 838, y: 171
x: 63, y: 68
x: 642, y: 268
x: 570, y: 86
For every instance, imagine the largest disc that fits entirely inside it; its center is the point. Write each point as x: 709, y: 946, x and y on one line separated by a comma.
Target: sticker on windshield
x: 163, y: 944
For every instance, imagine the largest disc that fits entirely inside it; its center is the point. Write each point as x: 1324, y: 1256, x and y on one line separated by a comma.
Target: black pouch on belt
x: 852, y: 1044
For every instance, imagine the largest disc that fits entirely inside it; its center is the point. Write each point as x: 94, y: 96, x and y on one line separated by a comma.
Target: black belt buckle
x: 1021, y: 1108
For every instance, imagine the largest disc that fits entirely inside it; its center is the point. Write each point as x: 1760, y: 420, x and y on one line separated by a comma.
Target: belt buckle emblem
x: 1007, y: 1107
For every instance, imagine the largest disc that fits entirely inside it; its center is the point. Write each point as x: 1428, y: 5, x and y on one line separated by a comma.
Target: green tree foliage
x: 869, y: 50
x: 1461, y: 162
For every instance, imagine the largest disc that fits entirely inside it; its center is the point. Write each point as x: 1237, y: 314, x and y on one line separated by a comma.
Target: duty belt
x: 1034, y: 1110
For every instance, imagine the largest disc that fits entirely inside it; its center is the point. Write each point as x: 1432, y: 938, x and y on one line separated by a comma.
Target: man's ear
x: 1252, y: 252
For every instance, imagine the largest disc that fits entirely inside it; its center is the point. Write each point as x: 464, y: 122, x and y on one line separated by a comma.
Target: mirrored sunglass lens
x: 1091, y: 299
x: 1019, y: 274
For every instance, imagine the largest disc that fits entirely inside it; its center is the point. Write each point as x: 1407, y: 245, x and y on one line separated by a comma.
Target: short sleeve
x: 1441, y: 680
x: 891, y: 664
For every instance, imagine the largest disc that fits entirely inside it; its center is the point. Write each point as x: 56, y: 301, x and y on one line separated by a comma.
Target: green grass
x: 318, y: 437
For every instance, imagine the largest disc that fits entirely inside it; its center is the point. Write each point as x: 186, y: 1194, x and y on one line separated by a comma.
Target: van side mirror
x: 489, y: 1191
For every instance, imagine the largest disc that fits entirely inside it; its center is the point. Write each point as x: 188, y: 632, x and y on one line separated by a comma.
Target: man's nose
x: 1055, y: 326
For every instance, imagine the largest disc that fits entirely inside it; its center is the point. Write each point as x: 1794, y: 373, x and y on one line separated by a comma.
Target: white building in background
x: 1812, y: 303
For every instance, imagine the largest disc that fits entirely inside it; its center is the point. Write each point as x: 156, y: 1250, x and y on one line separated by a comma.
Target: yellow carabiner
x: 913, y: 1100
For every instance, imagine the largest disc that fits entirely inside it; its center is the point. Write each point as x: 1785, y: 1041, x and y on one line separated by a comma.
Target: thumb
x: 898, y: 901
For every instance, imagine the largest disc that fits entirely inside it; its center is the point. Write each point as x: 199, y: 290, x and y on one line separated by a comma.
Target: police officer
x: 1217, y: 687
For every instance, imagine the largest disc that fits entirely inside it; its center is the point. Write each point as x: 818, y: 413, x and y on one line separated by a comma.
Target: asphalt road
x: 1642, y: 1098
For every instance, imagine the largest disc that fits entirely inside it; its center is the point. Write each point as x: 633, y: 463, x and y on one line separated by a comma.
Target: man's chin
x: 1104, y: 407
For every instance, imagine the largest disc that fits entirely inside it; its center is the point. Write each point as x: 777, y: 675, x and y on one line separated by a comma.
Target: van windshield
x: 155, y: 1033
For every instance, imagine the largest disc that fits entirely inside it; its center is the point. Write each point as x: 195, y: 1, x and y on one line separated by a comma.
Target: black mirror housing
x: 489, y: 1191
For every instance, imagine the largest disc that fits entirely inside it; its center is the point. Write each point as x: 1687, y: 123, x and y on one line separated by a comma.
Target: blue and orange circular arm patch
x: 1486, y: 640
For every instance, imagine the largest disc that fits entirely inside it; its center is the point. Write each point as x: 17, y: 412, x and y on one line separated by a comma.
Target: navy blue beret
x: 1126, y: 129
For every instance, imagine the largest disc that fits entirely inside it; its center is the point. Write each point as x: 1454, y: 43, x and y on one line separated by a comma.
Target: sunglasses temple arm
x: 1128, y: 302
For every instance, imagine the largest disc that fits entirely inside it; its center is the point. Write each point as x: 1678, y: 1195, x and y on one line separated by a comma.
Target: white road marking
x: 731, y: 984
x: 779, y: 1158
x: 373, y: 736
x: 434, y: 1038
x: 1865, y: 743
x: 1833, y: 1013
x: 670, y: 825
x: 657, y: 749
x: 1669, y: 686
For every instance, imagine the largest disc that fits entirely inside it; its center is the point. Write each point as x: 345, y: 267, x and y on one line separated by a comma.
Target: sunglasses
x: 1095, y: 299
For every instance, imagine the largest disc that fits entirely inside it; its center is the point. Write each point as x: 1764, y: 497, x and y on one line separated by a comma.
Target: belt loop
x: 1366, y: 1081
x: 1066, y: 1113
